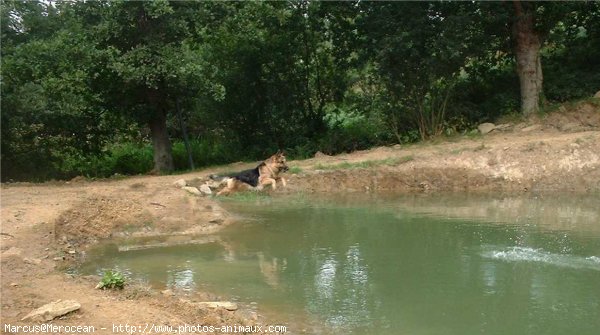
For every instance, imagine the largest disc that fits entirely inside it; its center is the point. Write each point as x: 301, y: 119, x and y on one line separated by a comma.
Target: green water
x: 392, y: 265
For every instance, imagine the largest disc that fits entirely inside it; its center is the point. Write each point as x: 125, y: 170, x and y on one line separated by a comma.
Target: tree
x: 528, y: 42
x: 531, y: 24
x: 278, y: 70
x: 137, y: 33
x: 50, y: 111
x: 418, y: 50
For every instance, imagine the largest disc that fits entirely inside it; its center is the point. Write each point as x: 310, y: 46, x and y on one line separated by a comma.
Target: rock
x: 597, y: 95
x: 205, y: 189
x: 571, y: 126
x: 52, y: 310
x: 520, y: 126
x: 531, y: 128
x: 485, y: 128
x: 230, y: 306
x: 192, y: 190
x: 32, y: 261
x: 78, y: 179
x: 14, y: 284
x: 168, y: 292
x: 180, y: 183
x: 12, y: 252
x: 503, y: 127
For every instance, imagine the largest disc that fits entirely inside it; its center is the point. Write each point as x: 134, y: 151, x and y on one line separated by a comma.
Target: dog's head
x: 278, y: 162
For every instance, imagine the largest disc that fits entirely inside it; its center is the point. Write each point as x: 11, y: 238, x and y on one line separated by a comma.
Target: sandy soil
x: 47, y: 227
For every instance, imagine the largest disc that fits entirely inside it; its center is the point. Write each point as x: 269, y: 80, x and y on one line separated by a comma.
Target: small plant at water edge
x: 111, y: 280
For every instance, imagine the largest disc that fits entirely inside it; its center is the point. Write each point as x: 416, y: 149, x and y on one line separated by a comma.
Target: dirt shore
x: 46, y: 227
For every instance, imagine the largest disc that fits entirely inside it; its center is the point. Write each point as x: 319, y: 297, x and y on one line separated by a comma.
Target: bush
x: 349, y: 131
x: 204, y: 153
x: 129, y: 158
x: 111, y: 280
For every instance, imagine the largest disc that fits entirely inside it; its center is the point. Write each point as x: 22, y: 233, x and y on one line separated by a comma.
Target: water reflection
x: 340, y: 290
x: 271, y: 269
x: 181, y: 280
x: 324, y: 279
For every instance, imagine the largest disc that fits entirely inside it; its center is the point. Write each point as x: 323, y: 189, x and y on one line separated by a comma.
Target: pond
x: 392, y: 264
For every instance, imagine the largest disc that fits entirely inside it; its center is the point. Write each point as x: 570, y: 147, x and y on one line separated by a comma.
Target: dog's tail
x: 218, y: 181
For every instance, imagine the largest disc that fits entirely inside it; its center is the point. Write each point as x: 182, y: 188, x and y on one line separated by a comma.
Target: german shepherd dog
x: 266, y: 173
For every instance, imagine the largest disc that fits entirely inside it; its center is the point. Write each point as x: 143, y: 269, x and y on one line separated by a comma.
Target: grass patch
x: 295, y: 170
x: 365, y: 164
x: 457, y: 151
x: 480, y: 147
x: 131, y: 228
x: 473, y: 134
x: 250, y: 196
x: 529, y: 147
x: 512, y: 118
x: 137, y: 186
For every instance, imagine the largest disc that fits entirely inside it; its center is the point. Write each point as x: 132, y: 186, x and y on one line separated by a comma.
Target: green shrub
x: 349, y: 130
x: 112, y: 280
x: 204, y: 153
x: 130, y: 158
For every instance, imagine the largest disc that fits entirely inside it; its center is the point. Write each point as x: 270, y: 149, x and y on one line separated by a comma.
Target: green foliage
x: 86, y: 86
x: 112, y: 280
x: 127, y: 159
x: 205, y: 153
x: 350, y: 130
x: 418, y: 51
x: 571, y: 69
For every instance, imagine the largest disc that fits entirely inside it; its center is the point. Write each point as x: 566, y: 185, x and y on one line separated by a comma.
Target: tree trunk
x: 529, y: 65
x: 163, y: 159
x: 185, y: 136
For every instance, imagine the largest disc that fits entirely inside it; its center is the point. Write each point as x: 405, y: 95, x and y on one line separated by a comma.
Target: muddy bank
x: 46, y: 230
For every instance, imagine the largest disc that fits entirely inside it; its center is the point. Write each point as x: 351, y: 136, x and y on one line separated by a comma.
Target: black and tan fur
x: 266, y: 173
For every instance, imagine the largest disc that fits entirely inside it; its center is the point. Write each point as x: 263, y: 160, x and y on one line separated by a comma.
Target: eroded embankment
x: 564, y: 162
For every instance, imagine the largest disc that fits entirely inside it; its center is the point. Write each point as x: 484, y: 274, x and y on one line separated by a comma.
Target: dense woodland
x: 96, y: 88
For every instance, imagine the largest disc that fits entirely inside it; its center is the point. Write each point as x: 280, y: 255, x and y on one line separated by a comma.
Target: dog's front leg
x: 267, y: 181
x: 283, y: 182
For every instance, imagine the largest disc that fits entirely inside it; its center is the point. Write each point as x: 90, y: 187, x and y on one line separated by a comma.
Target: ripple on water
x: 526, y: 254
